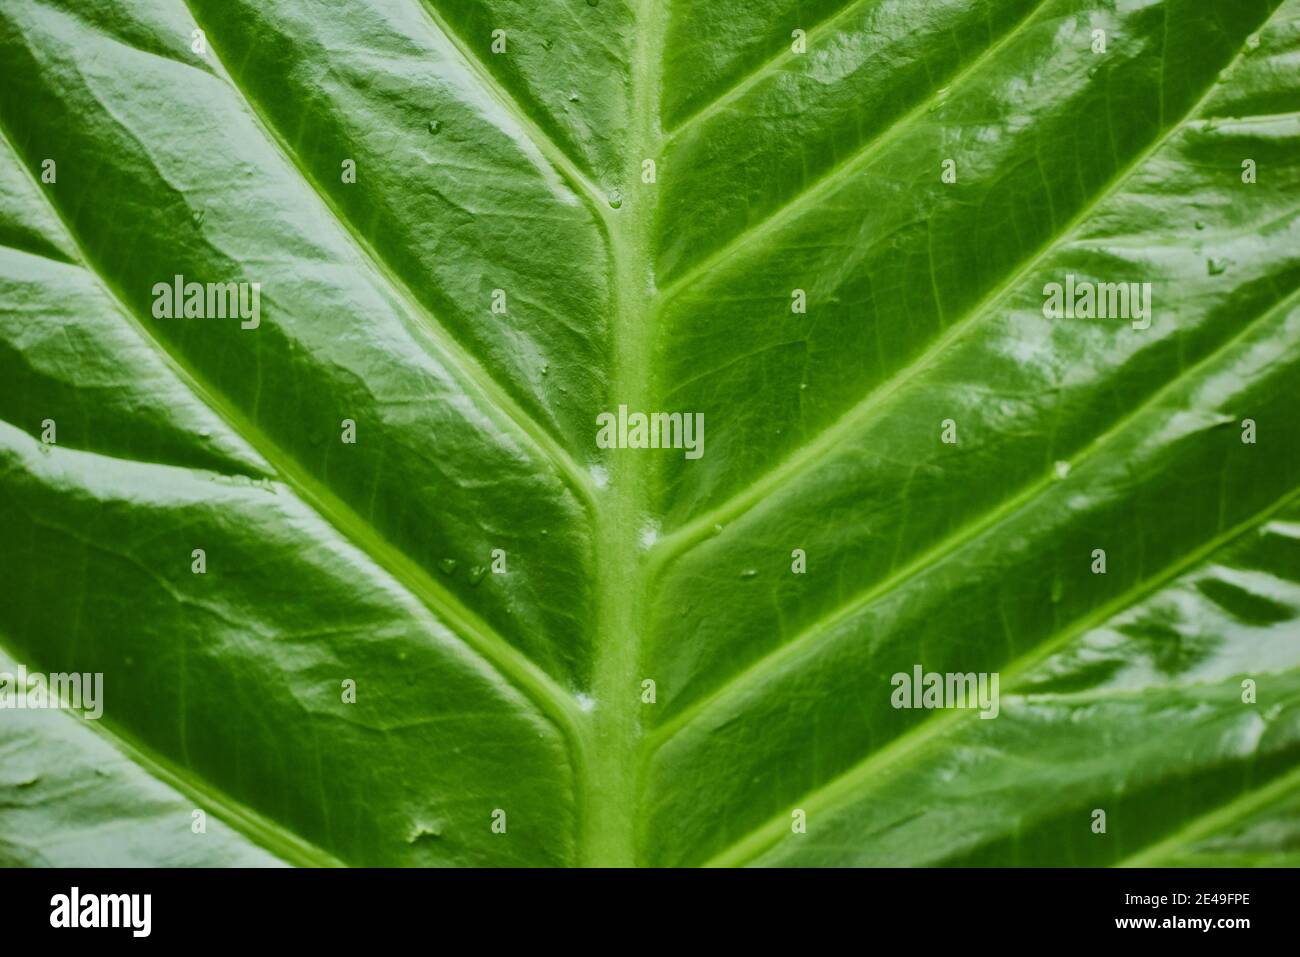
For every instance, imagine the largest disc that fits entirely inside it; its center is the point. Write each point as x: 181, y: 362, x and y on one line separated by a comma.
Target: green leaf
x: 841, y: 260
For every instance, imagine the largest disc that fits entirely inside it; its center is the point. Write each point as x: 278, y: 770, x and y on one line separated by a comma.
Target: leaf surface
x: 504, y: 268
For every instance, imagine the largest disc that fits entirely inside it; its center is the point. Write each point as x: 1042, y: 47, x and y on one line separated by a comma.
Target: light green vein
x: 846, y: 168
x: 553, y: 153
x: 265, y: 833
x: 826, y: 442
x: 608, y: 836
x: 909, y: 746
x: 1215, y: 820
x: 557, y: 703
x: 468, y: 367
x: 773, y: 65
x: 772, y: 662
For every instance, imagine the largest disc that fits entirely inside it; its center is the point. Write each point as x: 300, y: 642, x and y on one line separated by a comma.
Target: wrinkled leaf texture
x: 775, y: 171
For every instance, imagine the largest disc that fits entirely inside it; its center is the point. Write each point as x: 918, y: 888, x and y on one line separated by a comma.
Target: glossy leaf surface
x: 829, y: 228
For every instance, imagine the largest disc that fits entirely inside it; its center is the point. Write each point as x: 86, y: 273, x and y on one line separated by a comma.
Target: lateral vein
x: 908, y: 745
x: 766, y: 69
x: 557, y: 156
x: 825, y: 442
x: 287, y: 845
x: 559, y: 705
x: 469, y: 367
x: 1215, y: 819
x: 772, y: 661
x: 845, y: 168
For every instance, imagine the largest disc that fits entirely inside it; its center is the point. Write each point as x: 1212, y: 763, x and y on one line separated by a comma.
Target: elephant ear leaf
x: 799, y: 433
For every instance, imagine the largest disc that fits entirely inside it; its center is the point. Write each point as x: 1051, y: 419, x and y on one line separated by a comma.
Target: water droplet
x: 1199, y: 225
x: 448, y: 565
x: 802, y: 386
x: 476, y: 574
x: 749, y: 573
x: 199, y: 215
x: 717, y: 529
x: 419, y: 831
x: 1216, y: 267
x: 205, y: 433
x: 573, y: 98
x: 546, y: 367
x: 593, y: 3
x: 939, y: 99
x: 1062, y: 469
x: 616, y: 199
x: 435, y: 127
x: 548, y: 44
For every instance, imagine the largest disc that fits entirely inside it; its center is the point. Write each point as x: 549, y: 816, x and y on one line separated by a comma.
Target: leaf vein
x: 846, y: 167
x: 558, y: 704
x: 469, y: 368
x: 908, y: 745
x: 811, y: 453
x: 947, y: 546
x: 270, y: 835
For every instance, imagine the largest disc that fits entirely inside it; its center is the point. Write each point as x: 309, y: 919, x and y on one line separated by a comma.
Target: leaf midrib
x: 611, y: 793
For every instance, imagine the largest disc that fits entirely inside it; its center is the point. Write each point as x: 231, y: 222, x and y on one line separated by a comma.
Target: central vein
x: 610, y: 788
